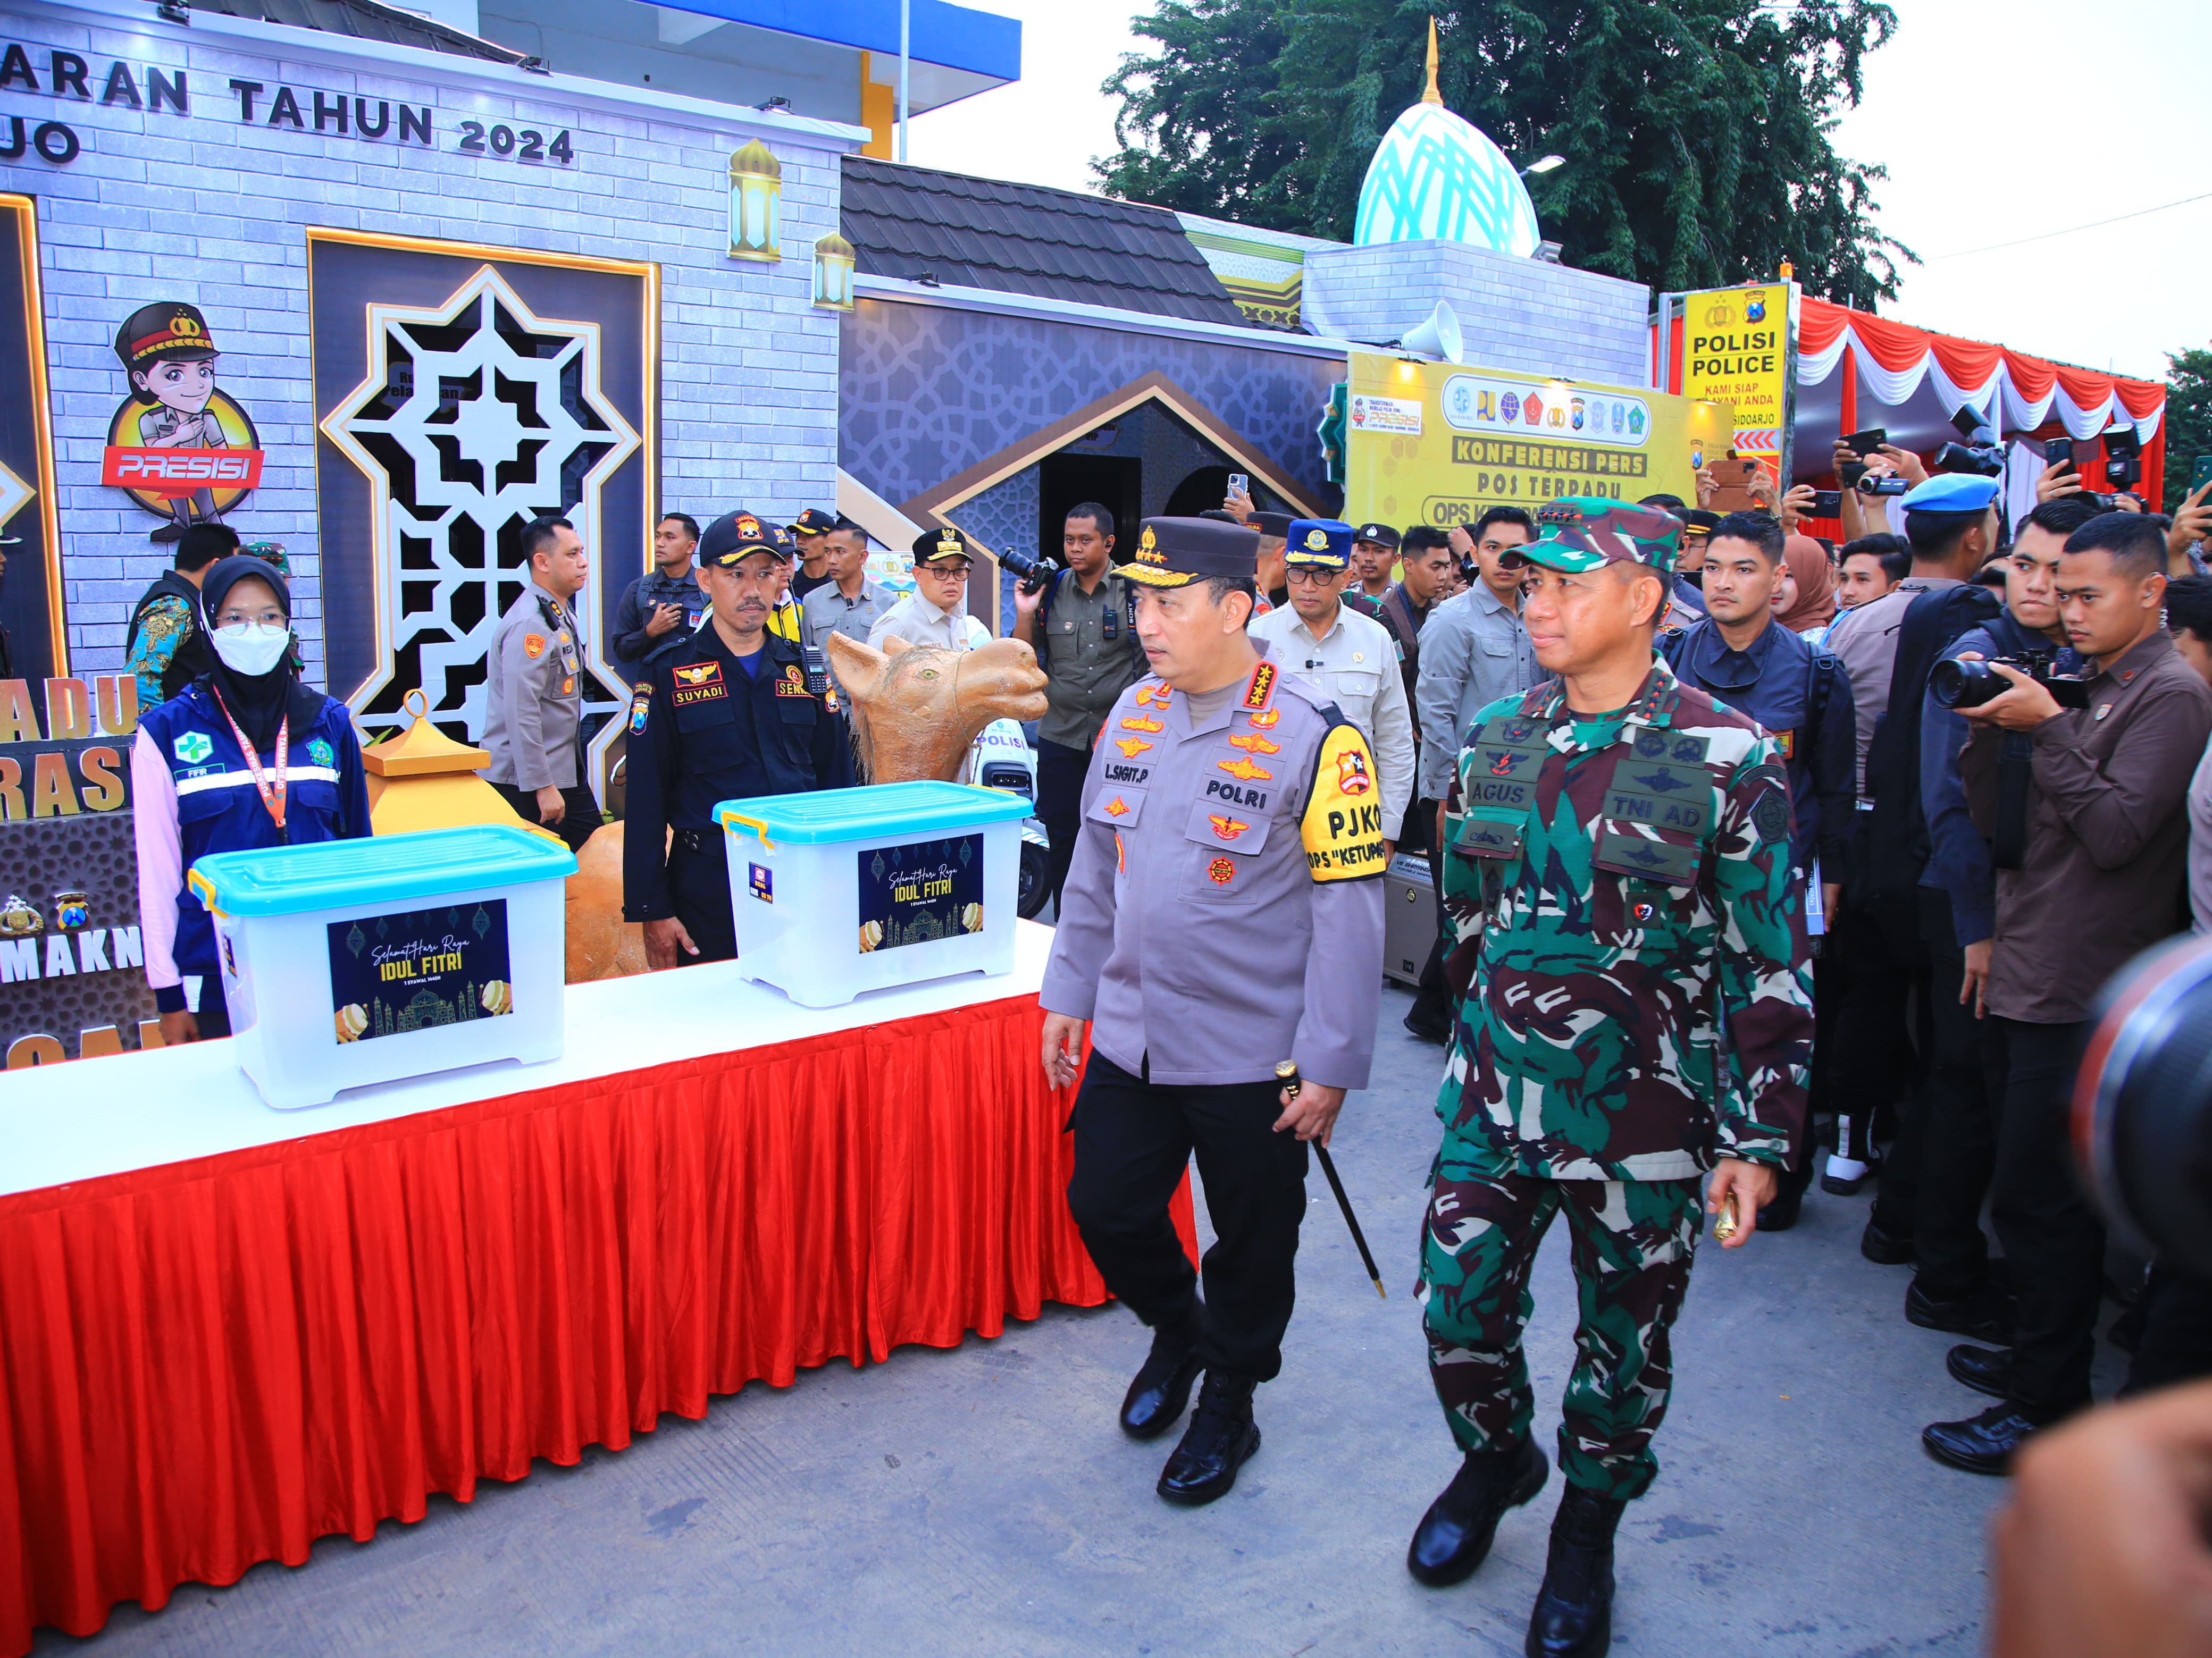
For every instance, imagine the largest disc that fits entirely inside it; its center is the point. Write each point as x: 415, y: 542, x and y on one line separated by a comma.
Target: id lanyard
x: 272, y: 794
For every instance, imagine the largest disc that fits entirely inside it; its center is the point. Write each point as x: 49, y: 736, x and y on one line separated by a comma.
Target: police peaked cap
x: 1272, y: 524
x: 733, y: 535
x: 1174, y: 552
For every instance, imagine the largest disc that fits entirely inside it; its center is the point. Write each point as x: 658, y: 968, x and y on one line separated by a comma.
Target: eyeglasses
x: 943, y: 568
x: 1308, y: 573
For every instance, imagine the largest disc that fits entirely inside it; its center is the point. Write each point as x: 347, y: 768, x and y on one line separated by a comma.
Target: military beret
x: 1321, y: 542
x: 813, y: 522
x: 932, y: 545
x: 1272, y: 524
x: 733, y: 535
x: 1174, y: 552
x: 1952, y: 492
x: 1582, y: 532
x: 1382, y: 534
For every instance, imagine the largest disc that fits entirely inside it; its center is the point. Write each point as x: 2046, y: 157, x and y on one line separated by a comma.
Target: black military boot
x: 1573, y: 1617
x: 1454, y: 1535
x: 1161, y: 1389
x: 1221, y: 1436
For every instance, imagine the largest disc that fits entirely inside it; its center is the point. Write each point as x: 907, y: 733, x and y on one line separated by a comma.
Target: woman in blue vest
x: 244, y: 756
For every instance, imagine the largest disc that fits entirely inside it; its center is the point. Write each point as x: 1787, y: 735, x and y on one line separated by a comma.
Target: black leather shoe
x: 1429, y: 1030
x: 1984, y: 1315
x: 1985, y: 1370
x: 1781, y: 1215
x: 1573, y: 1617
x: 1455, y: 1535
x: 1220, y: 1439
x: 1980, y: 1444
x: 1161, y: 1389
x: 1886, y: 1249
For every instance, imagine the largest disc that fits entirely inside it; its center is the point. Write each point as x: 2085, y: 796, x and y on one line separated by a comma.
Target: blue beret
x: 1323, y: 541
x: 1951, y: 492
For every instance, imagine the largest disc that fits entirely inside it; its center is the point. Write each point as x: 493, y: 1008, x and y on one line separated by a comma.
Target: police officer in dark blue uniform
x: 725, y: 717
x: 1800, y: 695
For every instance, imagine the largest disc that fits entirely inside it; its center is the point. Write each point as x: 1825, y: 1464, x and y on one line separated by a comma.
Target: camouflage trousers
x: 1632, y: 1245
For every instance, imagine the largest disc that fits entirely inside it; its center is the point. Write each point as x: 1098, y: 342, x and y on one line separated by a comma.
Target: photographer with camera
x: 2097, y: 813
x: 1952, y: 1287
x: 1081, y: 623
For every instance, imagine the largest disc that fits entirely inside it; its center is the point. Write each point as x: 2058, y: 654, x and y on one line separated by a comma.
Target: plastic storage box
x: 358, y: 962
x: 854, y: 889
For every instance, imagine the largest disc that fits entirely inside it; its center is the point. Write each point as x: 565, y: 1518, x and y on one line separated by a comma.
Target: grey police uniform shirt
x: 534, y: 695
x: 826, y: 610
x: 918, y: 622
x: 1085, y: 669
x: 1473, y: 650
x: 1224, y: 907
x: 1355, y: 665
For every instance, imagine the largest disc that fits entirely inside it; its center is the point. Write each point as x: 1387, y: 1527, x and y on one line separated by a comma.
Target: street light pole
x: 906, y: 42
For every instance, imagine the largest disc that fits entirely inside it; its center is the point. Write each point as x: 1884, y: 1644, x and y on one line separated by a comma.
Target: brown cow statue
x: 916, y: 709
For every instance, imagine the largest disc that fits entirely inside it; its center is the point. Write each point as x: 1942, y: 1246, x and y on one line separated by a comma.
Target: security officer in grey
x: 1224, y: 913
x: 1082, y: 624
x: 534, y: 690
x: 848, y: 600
x: 664, y: 606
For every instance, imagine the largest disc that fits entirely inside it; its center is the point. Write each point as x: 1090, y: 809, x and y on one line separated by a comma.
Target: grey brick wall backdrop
x: 1516, y: 313
x: 206, y: 207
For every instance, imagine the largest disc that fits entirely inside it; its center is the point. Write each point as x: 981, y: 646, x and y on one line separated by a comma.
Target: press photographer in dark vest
x: 244, y: 757
x: 1084, y: 634
x: 727, y: 717
x: 166, y: 646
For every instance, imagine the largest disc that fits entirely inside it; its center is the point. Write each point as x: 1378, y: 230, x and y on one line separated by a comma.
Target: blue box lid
x: 382, y: 871
x: 881, y: 811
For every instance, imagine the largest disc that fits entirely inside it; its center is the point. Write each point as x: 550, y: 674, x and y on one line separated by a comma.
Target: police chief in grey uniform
x: 534, y: 690
x: 1224, y: 911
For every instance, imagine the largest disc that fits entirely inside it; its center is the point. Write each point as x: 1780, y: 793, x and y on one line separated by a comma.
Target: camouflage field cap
x: 1582, y: 532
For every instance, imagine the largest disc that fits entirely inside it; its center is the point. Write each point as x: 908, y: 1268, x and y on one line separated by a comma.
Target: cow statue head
x: 916, y: 709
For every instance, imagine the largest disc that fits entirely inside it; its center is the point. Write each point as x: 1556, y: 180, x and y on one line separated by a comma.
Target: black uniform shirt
x: 702, y: 731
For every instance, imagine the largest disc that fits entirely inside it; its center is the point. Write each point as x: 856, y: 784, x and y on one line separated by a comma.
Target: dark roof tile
x: 1026, y: 238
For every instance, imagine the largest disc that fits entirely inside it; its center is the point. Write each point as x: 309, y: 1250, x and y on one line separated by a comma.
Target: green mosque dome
x: 1436, y: 176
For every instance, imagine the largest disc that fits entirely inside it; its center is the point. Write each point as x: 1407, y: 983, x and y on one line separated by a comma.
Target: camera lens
x: 2142, y: 1103
x: 1964, y: 685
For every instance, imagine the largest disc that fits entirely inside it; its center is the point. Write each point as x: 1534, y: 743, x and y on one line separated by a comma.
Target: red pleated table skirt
x: 212, y: 1364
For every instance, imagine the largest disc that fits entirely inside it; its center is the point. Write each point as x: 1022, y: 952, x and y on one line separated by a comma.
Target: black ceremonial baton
x: 1286, y: 1072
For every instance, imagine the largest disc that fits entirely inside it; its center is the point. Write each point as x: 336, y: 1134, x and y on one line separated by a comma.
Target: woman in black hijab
x: 245, y: 757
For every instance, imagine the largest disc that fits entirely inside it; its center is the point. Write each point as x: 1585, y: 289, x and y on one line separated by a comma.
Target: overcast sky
x: 1997, y: 120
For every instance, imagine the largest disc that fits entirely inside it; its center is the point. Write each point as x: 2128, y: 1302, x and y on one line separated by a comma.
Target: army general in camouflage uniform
x: 1636, y: 1012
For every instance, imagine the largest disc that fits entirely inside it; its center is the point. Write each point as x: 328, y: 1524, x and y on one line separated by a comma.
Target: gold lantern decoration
x: 424, y: 780
x: 755, y: 204
x: 833, y: 272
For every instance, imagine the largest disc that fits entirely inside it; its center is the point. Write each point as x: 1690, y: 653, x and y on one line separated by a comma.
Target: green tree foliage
x: 1696, y: 132
x: 2188, y: 420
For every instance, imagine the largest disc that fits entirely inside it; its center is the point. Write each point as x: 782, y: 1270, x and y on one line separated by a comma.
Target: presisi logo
x: 139, y: 466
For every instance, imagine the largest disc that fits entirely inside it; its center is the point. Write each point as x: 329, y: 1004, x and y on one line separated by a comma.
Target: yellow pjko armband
x: 1343, y: 825
x: 783, y: 620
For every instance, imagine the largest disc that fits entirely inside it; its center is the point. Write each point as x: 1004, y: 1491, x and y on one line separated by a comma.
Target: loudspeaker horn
x: 1438, y: 336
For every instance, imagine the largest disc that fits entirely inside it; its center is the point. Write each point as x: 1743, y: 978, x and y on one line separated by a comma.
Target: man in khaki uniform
x: 1223, y: 912
x: 534, y: 692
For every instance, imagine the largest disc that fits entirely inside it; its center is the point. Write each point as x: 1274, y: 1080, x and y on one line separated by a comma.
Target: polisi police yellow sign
x: 1739, y: 346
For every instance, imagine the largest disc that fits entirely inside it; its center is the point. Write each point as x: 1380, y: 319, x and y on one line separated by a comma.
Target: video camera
x: 1970, y: 684
x: 1033, y: 570
x: 2142, y: 1103
x: 1883, y: 484
x: 1982, y: 453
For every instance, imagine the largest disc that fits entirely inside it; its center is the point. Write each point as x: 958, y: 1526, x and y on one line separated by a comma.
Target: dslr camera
x: 1981, y: 454
x: 1970, y: 684
x: 1032, y: 570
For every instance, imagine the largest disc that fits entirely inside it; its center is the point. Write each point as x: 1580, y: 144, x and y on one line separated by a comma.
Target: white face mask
x: 252, y: 648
